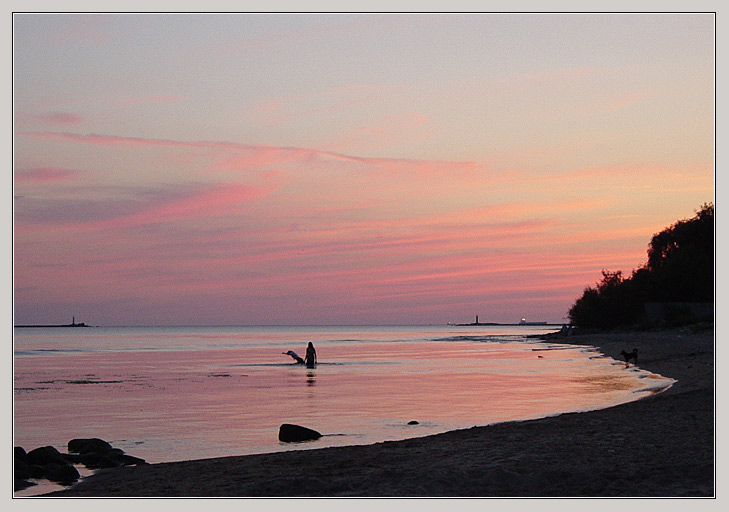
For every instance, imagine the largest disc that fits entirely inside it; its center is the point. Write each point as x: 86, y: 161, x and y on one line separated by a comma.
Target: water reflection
x: 310, y: 378
x: 369, y: 391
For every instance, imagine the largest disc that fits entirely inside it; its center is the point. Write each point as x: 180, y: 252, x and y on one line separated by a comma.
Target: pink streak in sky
x: 44, y: 175
x: 60, y: 118
x: 268, y: 155
x: 381, y: 243
x: 208, y: 201
x: 201, y: 201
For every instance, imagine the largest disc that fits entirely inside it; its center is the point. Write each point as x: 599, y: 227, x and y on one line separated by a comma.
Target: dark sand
x: 662, y: 446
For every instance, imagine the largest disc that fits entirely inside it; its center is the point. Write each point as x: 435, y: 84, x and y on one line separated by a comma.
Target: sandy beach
x: 661, y: 446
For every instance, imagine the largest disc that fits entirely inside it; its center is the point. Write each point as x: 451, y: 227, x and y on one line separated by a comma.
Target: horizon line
x: 447, y: 324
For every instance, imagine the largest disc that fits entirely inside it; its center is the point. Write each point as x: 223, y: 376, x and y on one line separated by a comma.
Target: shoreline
x: 660, y: 446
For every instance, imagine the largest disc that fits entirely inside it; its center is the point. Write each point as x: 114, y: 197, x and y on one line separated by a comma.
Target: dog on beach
x: 630, y: 355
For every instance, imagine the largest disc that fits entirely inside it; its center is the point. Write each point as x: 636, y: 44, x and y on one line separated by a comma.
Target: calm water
x: 176, y: 393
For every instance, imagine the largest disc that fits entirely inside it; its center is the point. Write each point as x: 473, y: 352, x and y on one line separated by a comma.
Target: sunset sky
x: 348, y: 168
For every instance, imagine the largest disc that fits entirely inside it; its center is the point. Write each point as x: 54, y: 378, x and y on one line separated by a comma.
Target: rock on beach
x: 91, y: 445
x: 47, y: 462
x: 288, y: 433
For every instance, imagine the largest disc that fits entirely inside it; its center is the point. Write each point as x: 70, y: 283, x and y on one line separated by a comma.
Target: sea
x: 179, y: 393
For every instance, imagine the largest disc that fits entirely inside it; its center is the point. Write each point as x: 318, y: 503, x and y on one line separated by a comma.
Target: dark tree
x: 680, y: 268
x: 681, y: 260
x: 611, y: 304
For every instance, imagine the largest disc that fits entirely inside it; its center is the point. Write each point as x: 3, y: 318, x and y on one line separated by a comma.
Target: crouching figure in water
x: 310, y: 359
x: 295, y: 356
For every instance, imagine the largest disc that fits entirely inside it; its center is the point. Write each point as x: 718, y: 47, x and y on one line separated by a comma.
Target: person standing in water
x: 310, y: 359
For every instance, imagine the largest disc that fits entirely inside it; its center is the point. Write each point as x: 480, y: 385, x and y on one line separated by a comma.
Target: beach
x: 660, y: 446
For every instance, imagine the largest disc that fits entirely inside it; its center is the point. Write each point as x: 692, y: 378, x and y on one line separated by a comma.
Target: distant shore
x: 661, y: 446
x: 48, y: 326
x: 517, y: 324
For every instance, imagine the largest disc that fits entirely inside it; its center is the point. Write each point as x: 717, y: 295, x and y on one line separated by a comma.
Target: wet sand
x: 661, y: 446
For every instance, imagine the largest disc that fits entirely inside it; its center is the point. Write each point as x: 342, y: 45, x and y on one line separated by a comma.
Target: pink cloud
x: 44, y: 175
x: 409, y: 167
x: 445, y: 277
x: 60, y: 118
x: 191, y: 202
x: 262, y: 157
x: 412, y: 264
x: 357, y: 246
x: 327, y: 235
x: 259, y: 155
x: 107, y: 140
x: 207, y: 201
x: 361, y: 261
x: 115, y: 140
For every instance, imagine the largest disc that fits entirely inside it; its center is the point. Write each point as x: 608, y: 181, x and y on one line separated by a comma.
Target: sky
x: 284, y: 169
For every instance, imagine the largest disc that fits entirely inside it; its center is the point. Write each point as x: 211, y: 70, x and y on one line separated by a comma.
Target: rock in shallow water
x: 19, y: 485
x: 45, y: 455
x: 44, y: 462
x: 47, y: 462
x: 294, y: 433
x: 92, y: 445
x: 95, y: 453
x: 20, y: 454
x: 64, y: 474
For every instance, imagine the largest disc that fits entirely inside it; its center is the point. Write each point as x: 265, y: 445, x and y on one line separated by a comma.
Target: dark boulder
x: 294, y: 433
x: 36, y: 471
x: 413, y: 422
x: 92, y: 445
x: 47, y: 462
x: 128, y: 460
x: 109, y: 460
x: 73, y: 458
x: 61, y: 473
x: 19, y: 485
x: 45, y: 455
x: 98, y: 454
x: 19, y: 454
x: 21, y: 471
x: 98, y: 461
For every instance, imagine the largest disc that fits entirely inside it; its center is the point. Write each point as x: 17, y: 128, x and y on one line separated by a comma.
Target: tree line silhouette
x: 680, y: 269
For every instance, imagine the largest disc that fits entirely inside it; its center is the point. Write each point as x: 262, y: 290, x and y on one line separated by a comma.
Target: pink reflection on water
x: 171, y: 405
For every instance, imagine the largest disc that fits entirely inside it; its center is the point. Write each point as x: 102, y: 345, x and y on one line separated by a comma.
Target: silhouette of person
x: 310, y: 359
x: 295, y: 356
